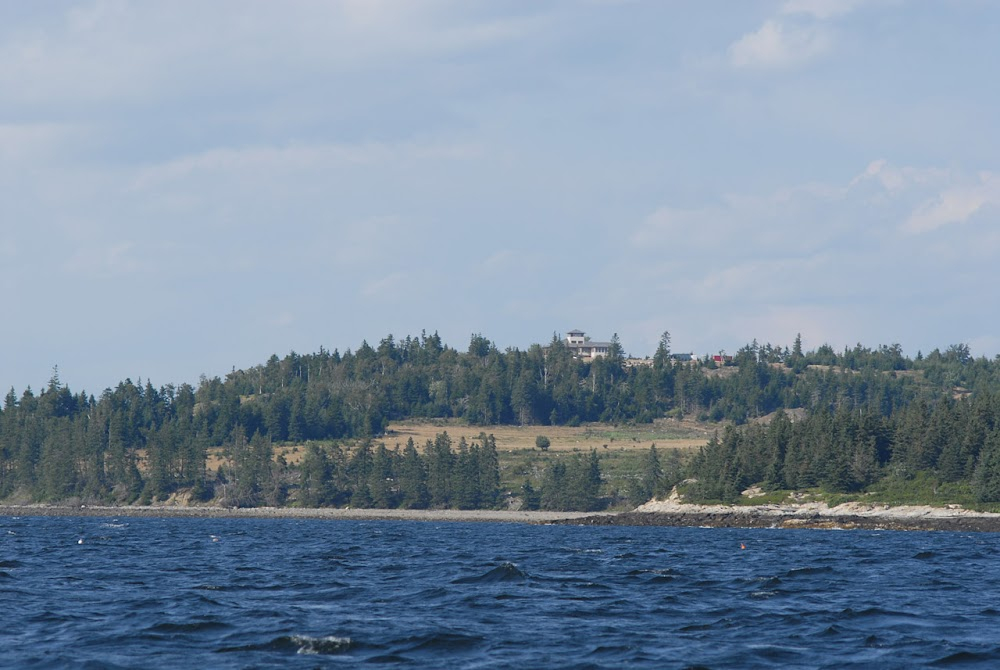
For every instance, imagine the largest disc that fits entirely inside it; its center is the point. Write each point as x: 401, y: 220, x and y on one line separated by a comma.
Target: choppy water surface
x: 223, y: 593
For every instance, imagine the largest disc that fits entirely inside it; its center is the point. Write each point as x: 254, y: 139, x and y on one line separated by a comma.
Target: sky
x: 191, y: 187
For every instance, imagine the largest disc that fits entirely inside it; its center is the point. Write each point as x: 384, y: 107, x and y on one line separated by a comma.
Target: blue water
x: 278, y: 593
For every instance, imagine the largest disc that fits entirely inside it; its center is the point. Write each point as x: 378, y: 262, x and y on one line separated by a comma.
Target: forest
x: 857, y: 420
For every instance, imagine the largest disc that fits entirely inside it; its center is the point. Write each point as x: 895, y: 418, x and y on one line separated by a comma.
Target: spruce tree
x: 413, y: 478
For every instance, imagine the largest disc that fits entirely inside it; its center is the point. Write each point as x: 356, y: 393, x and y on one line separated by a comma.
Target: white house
x: 583, y: 348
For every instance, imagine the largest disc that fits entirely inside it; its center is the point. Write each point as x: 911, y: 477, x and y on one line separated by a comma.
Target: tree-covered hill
x: 871, y: 412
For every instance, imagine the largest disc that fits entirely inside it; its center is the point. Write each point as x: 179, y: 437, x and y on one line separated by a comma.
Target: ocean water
x: 278, y: 593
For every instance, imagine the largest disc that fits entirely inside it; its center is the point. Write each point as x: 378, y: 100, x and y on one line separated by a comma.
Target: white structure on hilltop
x: 581, y: 346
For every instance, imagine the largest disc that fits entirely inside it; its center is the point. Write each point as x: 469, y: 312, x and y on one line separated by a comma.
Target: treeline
x: 136, y: 441
x: 949, y: 442
x: 441, y: 475
x: 467, y: 477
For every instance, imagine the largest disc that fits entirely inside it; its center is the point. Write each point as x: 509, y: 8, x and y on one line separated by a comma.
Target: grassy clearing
x: 666, y: 434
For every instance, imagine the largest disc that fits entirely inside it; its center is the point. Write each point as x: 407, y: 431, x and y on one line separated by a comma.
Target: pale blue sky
x: 188, y: 186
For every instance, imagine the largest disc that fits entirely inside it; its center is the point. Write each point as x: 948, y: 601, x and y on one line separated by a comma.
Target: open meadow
x: 666, y: 434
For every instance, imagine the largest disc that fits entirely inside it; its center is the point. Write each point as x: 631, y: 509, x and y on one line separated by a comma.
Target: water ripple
x: 161, y: 593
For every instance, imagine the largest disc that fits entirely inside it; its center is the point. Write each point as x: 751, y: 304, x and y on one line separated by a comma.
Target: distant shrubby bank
x: 849, y: 422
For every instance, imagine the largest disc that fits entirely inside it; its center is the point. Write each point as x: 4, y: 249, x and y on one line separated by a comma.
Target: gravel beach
x: 654, y: 513
x: 508, y: 516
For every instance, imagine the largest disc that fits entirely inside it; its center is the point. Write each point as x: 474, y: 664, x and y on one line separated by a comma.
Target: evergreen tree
x: 986, y: 482
x: 383, y: 480
x: 413, y: 478
x: 661, y: 359
x: 650, y: 480
x: 439, y: 470
x: 555, y: 494
x: 315, y: 478
x: 360, y: 470
x: 465, y: 477
x: 489, y: 471
x: 251, y: 469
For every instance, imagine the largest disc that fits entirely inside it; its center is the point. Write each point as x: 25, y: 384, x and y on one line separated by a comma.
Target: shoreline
x: 849, y: 516
x: 328, y: 513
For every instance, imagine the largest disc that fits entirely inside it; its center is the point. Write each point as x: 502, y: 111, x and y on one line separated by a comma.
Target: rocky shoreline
x: 956, y: 524
x: 848, y: 516
x: 656, y: 513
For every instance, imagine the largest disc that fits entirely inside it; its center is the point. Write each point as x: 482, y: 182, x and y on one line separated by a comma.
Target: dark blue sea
x: 279, y: 593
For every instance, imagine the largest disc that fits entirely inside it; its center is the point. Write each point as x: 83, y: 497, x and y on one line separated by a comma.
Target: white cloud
x: 779, y: 45
x: 823, y: 259
x: 808, y: 217
x: 955, y: 205
x: 905, y: 185
x: 365, y: 154
x: 931, y: 198
x: 795, y: 36
x: 890, y: 178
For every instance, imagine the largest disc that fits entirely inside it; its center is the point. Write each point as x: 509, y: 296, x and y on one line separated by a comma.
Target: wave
x: 966, y: 658
x: 503, y: 573
x: 299, y: 644
x: 649, y: 571
x: 799, y: 572
x: 188, y: 627
x: 440, y: 641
